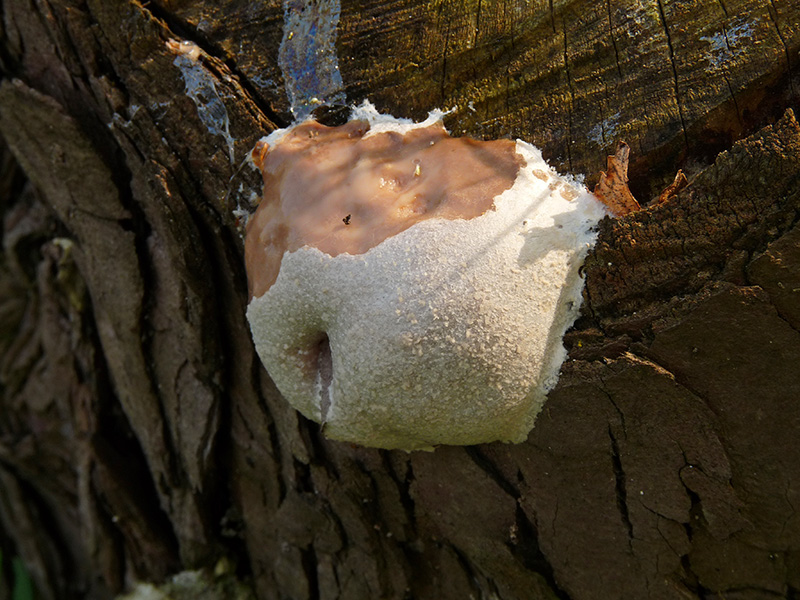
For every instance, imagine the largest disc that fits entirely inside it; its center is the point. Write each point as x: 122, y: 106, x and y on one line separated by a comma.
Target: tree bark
x: 140, y: 436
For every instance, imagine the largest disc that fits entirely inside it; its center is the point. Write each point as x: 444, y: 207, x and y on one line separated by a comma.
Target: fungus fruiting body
x: 410, y: 289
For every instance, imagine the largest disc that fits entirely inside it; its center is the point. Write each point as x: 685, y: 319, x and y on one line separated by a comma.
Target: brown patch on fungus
x: 384, y: 183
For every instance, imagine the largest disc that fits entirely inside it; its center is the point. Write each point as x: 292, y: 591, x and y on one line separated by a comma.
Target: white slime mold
x: 446, y: 332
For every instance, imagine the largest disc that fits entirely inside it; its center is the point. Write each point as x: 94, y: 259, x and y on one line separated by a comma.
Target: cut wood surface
x: 140, y: 436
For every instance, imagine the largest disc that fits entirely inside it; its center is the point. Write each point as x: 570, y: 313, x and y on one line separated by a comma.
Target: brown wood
x: 139, y: 435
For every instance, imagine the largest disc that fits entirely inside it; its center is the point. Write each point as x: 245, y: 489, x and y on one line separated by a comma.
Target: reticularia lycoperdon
x: 410, y: 289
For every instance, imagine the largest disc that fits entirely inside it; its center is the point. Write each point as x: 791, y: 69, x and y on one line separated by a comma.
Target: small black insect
x: 346, y: 220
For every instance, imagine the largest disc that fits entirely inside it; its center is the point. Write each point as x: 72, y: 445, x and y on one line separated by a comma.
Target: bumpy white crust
x: 447, y: 333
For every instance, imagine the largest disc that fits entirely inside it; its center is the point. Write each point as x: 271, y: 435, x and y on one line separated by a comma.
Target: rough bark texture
x: 140, y: 436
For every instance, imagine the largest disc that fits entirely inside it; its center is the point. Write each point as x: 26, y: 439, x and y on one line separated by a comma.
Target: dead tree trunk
x: 139, y: 435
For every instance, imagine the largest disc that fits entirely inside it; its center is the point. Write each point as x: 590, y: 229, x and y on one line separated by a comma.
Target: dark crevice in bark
x: 494, y: 591
x: 488, y: 467
x: 53, y: 554
x: 142, y: 232
x: 341, y: 530
x: 753, y: 591
x: 187, y: 31
x: 553, y: 17
x: 691, y: 582
x: 526, y: 549
x: 115, y: 439
x: 276, y: 453
x: 773, y: 14
x: 312, y: 436
x: 473, y: 577
x: 203, y: 210
x: 257, y: 372
x: 303, y: 482
x: 760, y: 104
x: 477, y: 23
x: 783, y: 318
x: 78, y: 103
x: 219, y: 349
x: 403, y: 483
x: 733, y: 99
x: 9, y: 65
x: 121, y: 471
x: 617, y: 409
x: 674, y: 71
x: 52, y: 544
x: 511, y: 35
x: 695, y: 512
x: 371, y: 506
x: 84, y: 103
x: 8, y: 578
x: 309, y: 561
x: 620, y: 485
x: 613, y: 43
x: 443, y: 82
x: 218, y: 433
x: 232, y: 531
x: 140, y: 226
x: 216, y: 488
x: 571, y: 106
x: 695, y: 520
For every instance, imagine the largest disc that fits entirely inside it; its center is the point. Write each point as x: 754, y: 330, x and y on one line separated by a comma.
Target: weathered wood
x: 676, y: 80
x: 139, y: 434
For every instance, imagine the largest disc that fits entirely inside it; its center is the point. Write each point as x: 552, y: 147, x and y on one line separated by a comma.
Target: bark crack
x: 466, y: 565
x: 733, y: 97
x: 528, y: 551
x: 179, y: 26
x: 477, y: 23
x: 553, y: 17
x: 620, y: 486
x: 308, y: 557
x: 571, y: 97
x: 444, y: 57
x: 142, y: 235
x: 613, y: 43
x: 725, y: 77
x: 403, y: 484
x: 488, y: 467
x: 773, y: 14
x: 677, y: 92
x: 508, y: 64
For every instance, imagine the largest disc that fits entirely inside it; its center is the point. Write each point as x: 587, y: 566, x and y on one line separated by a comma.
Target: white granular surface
x: 447, y: 333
